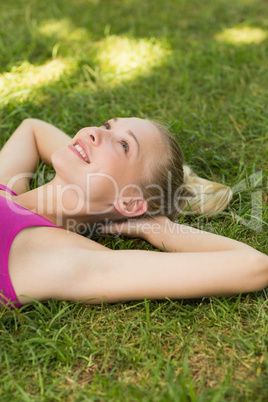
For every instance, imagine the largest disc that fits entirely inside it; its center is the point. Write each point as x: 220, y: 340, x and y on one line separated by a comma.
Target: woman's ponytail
x: 202, y: 196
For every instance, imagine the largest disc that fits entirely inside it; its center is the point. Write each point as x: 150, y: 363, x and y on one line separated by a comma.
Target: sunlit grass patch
x: 242, y: 35
x: 63, y: 29
x: 121, y: 58
x: 20, y: 81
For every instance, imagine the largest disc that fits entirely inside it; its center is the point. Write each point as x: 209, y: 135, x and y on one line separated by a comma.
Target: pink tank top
x: 13, y: 219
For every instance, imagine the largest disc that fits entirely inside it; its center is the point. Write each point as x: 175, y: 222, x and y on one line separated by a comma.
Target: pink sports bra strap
x: 8, y: 190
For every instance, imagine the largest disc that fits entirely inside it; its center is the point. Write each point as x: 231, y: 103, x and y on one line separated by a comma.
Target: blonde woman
x: 124, y: 169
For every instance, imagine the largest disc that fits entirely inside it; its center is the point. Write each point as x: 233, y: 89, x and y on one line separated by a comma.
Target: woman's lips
x: 80, y: 149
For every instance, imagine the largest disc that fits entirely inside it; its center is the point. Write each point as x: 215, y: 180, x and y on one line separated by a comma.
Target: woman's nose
x: 96, y: 135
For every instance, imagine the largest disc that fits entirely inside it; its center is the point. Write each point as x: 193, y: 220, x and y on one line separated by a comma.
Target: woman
x: 124, y: 169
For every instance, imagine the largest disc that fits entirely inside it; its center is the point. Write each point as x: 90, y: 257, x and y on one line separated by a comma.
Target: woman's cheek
x: 64, y: 163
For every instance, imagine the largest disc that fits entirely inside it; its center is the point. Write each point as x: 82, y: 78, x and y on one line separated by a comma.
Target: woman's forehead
x: 138, y: 126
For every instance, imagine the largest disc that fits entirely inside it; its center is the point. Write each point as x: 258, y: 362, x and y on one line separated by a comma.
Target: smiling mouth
x: 80, y: 152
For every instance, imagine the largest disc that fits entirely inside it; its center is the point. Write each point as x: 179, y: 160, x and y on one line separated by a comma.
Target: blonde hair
x: 177, y: 189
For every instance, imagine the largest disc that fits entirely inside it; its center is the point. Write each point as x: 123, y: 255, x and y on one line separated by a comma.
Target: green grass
x: 201, y: 67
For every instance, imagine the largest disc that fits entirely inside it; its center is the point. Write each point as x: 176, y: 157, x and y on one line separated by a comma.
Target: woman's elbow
x: 258, y: 271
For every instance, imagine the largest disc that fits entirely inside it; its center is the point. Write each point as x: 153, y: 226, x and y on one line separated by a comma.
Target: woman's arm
x: 169, y: 236
x: 126, y: 275
x: 198, y: 264
x: 65, y: 266
x: 34, y: 139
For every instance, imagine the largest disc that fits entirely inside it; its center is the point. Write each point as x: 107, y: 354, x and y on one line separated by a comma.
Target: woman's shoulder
x: 39, y: 247
x: 42, y: 258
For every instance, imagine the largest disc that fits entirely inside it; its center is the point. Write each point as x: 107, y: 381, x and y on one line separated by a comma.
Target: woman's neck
x: 63, y: 205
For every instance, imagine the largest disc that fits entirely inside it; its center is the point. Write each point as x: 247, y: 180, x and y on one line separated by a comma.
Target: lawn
x: 201, y: 68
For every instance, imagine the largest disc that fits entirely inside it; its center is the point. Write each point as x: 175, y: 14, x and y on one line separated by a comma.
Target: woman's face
x: 110, y: 160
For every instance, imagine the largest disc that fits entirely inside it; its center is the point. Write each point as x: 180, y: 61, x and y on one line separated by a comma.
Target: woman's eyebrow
x: 115, y: 119
x: 135, y: 138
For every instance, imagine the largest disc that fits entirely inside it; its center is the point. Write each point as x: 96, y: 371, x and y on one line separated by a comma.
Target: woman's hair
x: 172, y: 188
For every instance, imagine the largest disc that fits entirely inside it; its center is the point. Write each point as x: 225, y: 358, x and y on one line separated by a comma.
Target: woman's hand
x: 33, y: 140
x: 141, y: 227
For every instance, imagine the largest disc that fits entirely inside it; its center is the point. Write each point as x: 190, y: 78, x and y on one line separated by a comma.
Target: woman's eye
x: 125, y: 146
x: 106, y: 125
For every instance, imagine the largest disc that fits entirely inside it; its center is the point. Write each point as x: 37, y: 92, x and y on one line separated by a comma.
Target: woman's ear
x: 133, y: 206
